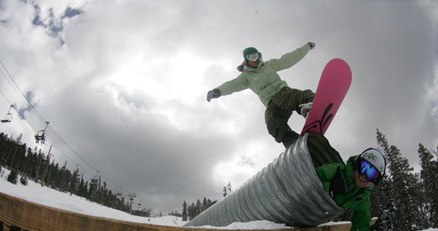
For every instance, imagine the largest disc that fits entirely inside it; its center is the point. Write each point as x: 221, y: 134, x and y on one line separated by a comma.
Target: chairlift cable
x: 44, y: 121
x: 35, y: 111
x: 5, y: 97
x: 4, y: 75
x: 14, y: 83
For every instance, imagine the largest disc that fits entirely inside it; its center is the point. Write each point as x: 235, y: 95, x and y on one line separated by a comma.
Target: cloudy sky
x: 124, y: 83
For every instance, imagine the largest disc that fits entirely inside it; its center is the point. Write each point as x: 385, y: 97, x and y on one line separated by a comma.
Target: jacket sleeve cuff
x: 306, y: 47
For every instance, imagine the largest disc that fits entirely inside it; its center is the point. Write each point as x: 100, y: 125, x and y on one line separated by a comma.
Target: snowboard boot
x: 305, y: 108
x: 290, y: 139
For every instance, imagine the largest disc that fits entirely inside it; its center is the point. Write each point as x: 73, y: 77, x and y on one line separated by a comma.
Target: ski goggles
x: 252, y: 57
x: 369, y: 171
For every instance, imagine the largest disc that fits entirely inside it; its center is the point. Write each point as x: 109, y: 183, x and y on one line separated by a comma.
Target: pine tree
x: 23, y: 180
x: 198, y: 207
x: 434, y: 210
x: 430, y: 179
x: 74, y: 182
x: 13, y: 176
x: 204, y: 204
x: 184, y: 211
x: 229, y: 188
x: 92, y: 192
x: 401, y: 180
x: 224, y: 191
x: 418, y: 193
x: 192, y: 211
x: 385, y: 200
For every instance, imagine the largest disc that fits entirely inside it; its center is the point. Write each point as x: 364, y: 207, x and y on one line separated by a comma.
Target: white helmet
x: 375, y: 158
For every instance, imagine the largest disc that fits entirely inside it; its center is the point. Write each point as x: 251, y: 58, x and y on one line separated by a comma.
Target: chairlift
x: 8, y: 116
x: 119, y: 193
x: 40, y: 135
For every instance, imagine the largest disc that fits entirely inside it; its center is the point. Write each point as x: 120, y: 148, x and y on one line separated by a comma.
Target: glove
x: 311, y: 44
x: 215, y: 93
x: 241, y: 67
x: 339, y: 184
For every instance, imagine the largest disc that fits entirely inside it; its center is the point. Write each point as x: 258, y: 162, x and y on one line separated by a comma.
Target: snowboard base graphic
x: 332, y: 87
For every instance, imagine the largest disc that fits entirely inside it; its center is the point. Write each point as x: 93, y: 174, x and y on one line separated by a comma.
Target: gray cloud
x: 127, y: 86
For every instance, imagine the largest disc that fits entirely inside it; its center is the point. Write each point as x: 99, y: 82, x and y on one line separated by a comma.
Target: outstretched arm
x: 238, y: 84
x: 291, y: 58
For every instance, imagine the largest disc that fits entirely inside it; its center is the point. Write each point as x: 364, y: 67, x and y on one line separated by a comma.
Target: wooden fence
x: 20, y: 215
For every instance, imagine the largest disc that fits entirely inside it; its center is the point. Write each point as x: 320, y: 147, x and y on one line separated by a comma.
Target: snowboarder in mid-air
x: 279, y: 99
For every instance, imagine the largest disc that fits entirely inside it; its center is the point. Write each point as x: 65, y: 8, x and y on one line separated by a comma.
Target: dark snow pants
x: 280, y: 109
x: 321, y: 151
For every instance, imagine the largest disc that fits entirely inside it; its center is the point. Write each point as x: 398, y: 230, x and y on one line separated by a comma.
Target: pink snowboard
x: 332, y: 88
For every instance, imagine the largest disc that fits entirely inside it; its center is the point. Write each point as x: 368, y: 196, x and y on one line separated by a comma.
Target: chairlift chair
x: 40, y: 136
x: 8, y: 116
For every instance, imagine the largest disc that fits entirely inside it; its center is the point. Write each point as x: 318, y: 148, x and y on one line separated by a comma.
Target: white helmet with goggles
x: 372, y: 164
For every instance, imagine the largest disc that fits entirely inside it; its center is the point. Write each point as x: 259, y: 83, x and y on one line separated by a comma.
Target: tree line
x: 405, y: 199
x: 191, y: 211
x: 35, y: 165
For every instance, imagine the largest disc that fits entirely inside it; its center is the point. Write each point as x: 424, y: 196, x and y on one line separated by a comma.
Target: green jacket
x: 264, y: 81
x: 356, y: 199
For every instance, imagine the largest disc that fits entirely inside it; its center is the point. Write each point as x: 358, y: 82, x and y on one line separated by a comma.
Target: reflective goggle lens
x: 369, y: 171
x: 252, y: 57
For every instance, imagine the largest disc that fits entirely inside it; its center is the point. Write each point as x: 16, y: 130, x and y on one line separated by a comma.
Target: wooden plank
x: 32, y: 216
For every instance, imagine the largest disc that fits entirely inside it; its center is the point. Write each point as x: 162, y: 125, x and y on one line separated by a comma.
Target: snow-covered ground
x: 34, y: 192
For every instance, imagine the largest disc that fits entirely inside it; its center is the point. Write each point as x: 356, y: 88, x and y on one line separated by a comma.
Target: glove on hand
x: 311, y: 44
x: 339, y: 184
x: 215, y: 93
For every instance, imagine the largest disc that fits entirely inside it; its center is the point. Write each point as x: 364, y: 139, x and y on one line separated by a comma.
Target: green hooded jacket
x: 264, y: 80
x: 356, y: 199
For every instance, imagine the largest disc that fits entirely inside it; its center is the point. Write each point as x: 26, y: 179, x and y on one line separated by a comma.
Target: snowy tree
x: 92, y: 191
x: 224, y: 191
x: 205, y: 204
x: 74, y: 182
x: 401, y: 182
x: 13, y: 176
x: 380, y: 198
x: 430, y: 179
x: 192, y: 211
x: 198, y: 207
x: 184, y: 211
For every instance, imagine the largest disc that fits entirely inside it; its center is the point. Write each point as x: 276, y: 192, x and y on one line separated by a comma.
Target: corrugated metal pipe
x: 287, y: 191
